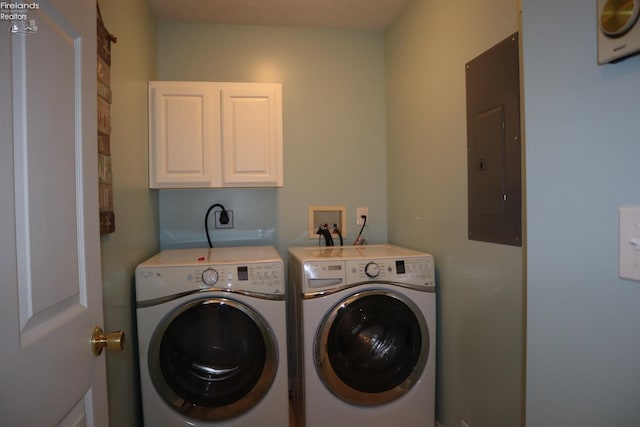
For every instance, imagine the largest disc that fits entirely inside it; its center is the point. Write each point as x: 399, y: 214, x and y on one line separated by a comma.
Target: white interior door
x: 50, y: 293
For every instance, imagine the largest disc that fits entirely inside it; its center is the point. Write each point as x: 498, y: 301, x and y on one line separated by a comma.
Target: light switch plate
x: 630, y: 243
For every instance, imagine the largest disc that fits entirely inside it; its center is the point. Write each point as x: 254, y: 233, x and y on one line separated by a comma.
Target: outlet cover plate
x: 359, y: 213
x: 218, y: 224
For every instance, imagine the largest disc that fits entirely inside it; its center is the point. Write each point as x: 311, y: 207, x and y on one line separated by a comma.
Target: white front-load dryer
x: 212, y: 338
x: 362, y: 336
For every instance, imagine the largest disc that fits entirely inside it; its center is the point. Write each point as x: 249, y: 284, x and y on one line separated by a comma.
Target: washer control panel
x: 417, y: 271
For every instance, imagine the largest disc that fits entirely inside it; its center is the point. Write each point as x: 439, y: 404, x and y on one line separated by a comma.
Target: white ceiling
x: 372, y: 15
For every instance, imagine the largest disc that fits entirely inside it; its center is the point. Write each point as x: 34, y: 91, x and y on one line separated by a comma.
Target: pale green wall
x: 583, y: 152
x: 334, y: 129
x: 480, y: 285
x: 135, y: 206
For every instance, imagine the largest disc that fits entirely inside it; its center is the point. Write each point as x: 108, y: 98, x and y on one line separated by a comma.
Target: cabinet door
x: 184, y: 135
x: 252, y: 135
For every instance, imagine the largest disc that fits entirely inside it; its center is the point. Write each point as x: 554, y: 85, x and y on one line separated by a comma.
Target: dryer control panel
x: 260, y: 278
x: 256, y: 277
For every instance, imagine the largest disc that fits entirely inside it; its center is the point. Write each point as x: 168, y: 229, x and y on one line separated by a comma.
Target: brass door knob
x: 113, y: 341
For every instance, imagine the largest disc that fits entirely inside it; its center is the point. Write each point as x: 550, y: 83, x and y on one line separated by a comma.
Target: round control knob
x: 210, y: 277
x: 372, y: 270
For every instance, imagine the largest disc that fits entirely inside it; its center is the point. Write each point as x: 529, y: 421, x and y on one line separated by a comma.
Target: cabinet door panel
x: 252, y: 136
x: 184, y: 130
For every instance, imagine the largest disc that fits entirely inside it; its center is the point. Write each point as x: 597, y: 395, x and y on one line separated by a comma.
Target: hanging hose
x: 323, y: 230
x: 336, y: 230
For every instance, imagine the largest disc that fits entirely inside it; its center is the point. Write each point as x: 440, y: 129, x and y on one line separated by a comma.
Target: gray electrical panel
x: 494, y: 145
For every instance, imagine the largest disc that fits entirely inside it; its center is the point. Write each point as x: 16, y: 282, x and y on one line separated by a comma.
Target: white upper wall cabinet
x: 252, y: 135
x: 213, y: 135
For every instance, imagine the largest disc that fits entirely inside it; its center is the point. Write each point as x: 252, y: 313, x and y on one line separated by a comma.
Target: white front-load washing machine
x: 362, y: 336
x: 212, y: 338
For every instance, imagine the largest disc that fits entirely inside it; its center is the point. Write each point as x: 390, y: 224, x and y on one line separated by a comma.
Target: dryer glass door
x: 213, y: 358
x: 372, y: 347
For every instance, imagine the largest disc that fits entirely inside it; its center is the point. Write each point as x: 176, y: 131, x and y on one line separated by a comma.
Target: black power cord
x: 224, y: 219
x: 360, y: 240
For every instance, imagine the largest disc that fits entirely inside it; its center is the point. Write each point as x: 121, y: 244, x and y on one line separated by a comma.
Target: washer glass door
x: 372, y: 347
x: 213, y: 358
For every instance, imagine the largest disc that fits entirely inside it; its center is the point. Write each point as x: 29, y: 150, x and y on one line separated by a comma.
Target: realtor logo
x: 17, y: 14
x: 23, y: 28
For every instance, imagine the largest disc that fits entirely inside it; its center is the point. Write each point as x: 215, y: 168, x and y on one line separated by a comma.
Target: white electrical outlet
x: 359, y: 213
x: 630, y: 243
